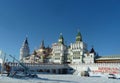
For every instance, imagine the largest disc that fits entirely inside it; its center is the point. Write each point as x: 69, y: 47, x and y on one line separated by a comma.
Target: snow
x: 1, y: 60
x: 44, y: 78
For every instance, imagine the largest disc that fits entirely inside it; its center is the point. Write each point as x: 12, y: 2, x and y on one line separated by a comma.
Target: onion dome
x: 78, y: 37
x: 61, y: 39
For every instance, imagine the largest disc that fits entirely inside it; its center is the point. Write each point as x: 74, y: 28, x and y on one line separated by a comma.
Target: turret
x: 78, y: 37
x: 24, y: 51
x: 61, y: 39
x: 92, y: 50
x: 42, y: 45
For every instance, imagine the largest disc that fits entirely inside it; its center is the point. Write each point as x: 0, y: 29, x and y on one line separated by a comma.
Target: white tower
x: 77, y: 50
x: 59, y: 51
x: 24, y: 51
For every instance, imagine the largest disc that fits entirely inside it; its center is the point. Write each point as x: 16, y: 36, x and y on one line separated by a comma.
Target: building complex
x: 63, y: 59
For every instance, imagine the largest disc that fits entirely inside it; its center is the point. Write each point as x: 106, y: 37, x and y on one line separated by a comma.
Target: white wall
x: 98, y: 67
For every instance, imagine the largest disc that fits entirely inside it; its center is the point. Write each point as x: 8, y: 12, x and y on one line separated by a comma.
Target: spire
x: 78, y: 37
x: 26, y: 41
x: 61, y: 36
x: 42, y: 45
x: 24, y: 50
x: 92, y: 50
x: 61, y: 39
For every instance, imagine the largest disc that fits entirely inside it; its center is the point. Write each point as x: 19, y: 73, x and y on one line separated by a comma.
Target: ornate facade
x: 62, y: 59
x: 60, y: 53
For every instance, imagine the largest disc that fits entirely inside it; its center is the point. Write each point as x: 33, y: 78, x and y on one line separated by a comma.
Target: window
x: 57, y: 58
x: 57, y: 54
x: 76, y: 57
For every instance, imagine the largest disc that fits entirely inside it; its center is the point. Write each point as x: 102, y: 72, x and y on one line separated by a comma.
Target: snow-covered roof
x: 108, y: 57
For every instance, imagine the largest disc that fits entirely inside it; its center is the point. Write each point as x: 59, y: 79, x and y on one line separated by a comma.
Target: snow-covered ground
x: 43, y: 78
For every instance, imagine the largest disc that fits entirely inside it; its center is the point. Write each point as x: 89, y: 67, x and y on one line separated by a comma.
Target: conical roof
x: 92, y: 50
x: 42, y: 45
x: 26, y: 41
x: 79, y: 37
x: 61, y: 39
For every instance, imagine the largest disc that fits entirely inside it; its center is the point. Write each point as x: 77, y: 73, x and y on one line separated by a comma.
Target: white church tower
x: 59, y: 51
x: 24, y: 51
x: 77, y: 50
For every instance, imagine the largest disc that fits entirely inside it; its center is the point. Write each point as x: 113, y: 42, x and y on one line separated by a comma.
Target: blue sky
x: 97, y: 20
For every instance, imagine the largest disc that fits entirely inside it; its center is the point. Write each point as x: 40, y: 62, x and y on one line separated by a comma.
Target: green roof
x: 61, y: 39
x: 79, y: 37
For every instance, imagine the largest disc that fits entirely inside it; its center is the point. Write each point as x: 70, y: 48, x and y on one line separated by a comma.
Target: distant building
x: 59, y: 52
x: 62, y: 59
